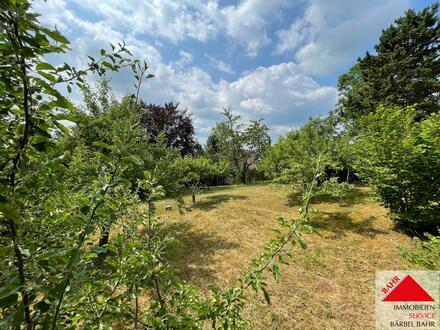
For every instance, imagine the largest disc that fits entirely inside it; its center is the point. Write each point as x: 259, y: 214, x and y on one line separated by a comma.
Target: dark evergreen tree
x: 404, y: 71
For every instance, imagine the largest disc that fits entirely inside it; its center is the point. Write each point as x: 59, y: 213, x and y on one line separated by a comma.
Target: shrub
x: 426, y: 253
x: 401, y: 159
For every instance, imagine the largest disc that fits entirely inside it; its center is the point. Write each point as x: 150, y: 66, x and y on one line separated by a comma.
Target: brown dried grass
x: 330, y: 285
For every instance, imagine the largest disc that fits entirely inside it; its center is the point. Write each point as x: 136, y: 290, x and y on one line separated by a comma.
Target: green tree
x: 242, y: 146
x: 400, y: 157
x: 275, y: 159
x: 301, y: 158
x: 404, y: 71
x: 194, y: 171
x: 28, y: 123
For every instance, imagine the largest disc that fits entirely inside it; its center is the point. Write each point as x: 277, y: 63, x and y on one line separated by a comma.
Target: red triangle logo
x: 408, y: 290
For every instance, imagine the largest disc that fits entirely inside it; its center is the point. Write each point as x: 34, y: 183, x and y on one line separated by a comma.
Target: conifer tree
x: 404, y: 71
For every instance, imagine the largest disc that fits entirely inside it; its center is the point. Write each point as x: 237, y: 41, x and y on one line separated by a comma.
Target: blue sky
x: 278, y: 60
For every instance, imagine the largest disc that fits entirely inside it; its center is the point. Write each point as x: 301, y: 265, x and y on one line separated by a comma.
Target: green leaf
x: 42, y: 306
x: 85, y: 209
x: 136, y: 160
x: 276, y: 272
x: 62, y: 116
x: 103, y: 145
x: 266, y: 295
x: 62, y: 128
x: 8, y: 290
x: 40, y: 139
x: 55, y: 35
x: 108, y: 65
x: 48, y: 76
x: 45, y: 66
x: 9, y: 300
x: 302, y: 242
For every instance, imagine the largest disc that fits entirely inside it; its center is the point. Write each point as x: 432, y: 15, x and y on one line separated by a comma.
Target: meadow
x: 122, y: 211
x: 330, y: 284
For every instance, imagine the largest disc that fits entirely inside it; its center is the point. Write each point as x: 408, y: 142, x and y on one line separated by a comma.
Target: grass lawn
x: 330, y: 285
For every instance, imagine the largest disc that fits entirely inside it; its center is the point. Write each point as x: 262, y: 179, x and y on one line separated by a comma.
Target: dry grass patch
x: 329, y: 285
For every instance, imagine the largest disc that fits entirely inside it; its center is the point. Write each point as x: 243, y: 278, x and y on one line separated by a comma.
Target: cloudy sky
x: 273, y: 59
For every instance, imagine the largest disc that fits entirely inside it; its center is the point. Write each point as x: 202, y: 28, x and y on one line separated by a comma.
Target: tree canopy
x: 401, y: 159
x: 242, y: 146
x: 175, y: 124
x: 403, y: 72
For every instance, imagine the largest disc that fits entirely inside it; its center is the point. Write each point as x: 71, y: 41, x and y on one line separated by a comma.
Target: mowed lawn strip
x: 330, y: 285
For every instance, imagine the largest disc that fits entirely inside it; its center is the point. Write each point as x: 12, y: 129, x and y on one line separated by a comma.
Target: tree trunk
x: 348, y: 175
x: 243, y: 174
x: 193, y: 197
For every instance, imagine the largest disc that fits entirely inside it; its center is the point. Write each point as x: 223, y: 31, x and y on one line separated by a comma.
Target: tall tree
x: 404, y: 71
x: 241, y: 145
x: 176, y: 124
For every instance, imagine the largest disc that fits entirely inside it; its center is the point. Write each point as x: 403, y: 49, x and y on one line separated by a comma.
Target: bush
x: 401, y: 159
x: 426, y: 254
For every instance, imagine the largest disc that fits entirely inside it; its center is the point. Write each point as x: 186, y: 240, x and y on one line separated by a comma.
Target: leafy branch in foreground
x: 78, y: 247
x: 32, y: 110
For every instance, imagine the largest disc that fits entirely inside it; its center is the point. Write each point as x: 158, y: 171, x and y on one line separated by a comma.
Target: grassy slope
x: 329, y: 285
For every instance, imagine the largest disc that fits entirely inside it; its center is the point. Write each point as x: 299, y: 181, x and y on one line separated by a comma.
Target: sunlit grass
x: 330, y: 285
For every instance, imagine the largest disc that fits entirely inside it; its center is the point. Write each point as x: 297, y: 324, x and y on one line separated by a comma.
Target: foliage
x: 32, y: 110
x: 404, y: 72
x: 401, y: 159
x: 241, y: 146
x: 194, y: 171
x: 175, y: 124
x: 303, y: 157
x: 425, y: 254
x: 105, y: 119
x: 78, y: 248
x: 275, y: 158
x: 213, y: 152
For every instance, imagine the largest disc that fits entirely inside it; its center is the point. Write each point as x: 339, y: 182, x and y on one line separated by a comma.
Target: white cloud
x: 334, y: 33
x: 178, y: 20
x: 290, y: 38
x: 173, y: 20
x: 248, y: 21
x: 185, y: 59
x: 280, y: 94
x: 220, y: 65
x: 55, y: 14
x: 284, y: 94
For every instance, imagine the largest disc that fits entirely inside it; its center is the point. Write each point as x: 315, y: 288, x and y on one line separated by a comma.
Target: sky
x: 276, y: 60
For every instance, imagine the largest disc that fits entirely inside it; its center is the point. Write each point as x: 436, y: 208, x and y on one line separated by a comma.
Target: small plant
x: 426, y: 253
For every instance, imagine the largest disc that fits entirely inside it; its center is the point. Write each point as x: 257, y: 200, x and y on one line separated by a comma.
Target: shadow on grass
x: 211, y: 202
x: 354, y: 196
x: 193, y: 257
x: 339, y: 223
